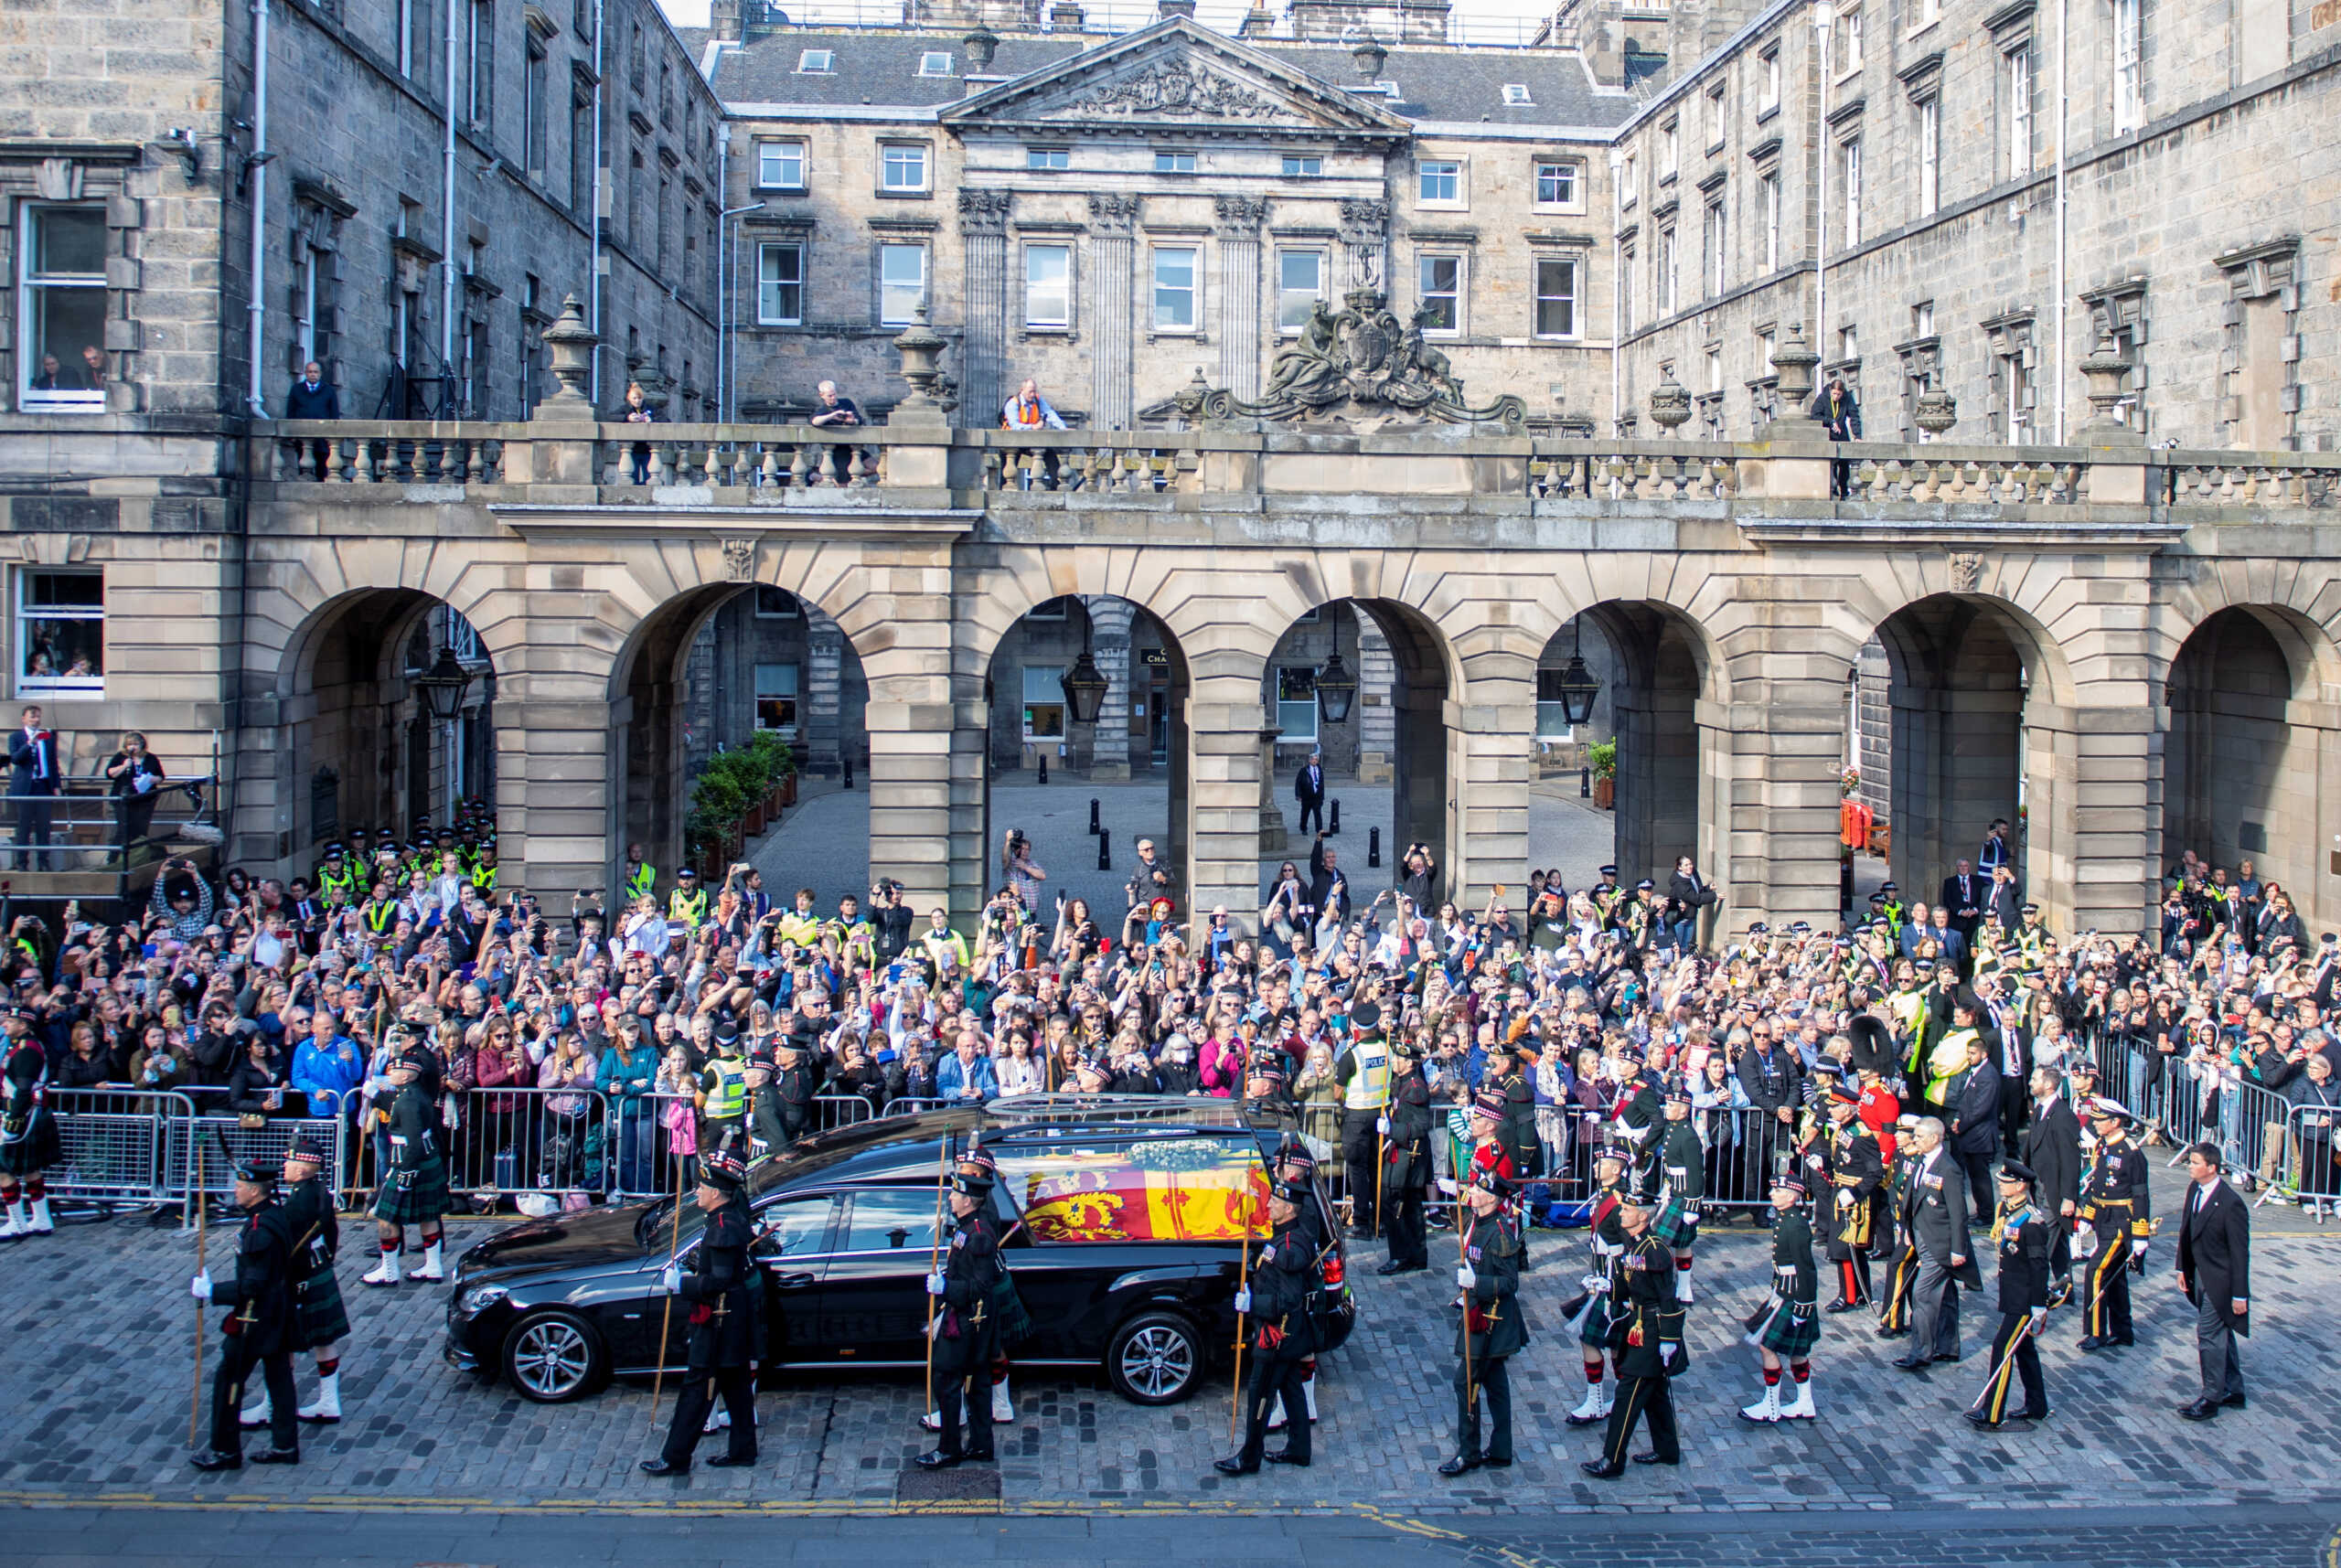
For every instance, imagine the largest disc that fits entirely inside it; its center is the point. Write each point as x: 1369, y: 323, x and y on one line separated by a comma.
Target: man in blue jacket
x: 311, y: 397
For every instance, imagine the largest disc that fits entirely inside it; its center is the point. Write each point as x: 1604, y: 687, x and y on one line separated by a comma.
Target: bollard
x: 1044, y: 767
x: 1094, y: 828
x: 846, y: 757
x: 1372, y: 847
x: 1335, y: 830
x: 1585, y: 782
x: 1105, y: 849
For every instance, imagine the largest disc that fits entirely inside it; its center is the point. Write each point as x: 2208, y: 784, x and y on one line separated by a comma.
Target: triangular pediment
x: 1178, y: 74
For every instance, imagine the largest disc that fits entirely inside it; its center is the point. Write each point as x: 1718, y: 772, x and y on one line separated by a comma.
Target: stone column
x: 1490, y: 761
x: 983, y: 238
x: 554, y: 801
x: 2088, y: 857
x: 1113, y: 324
x: 1110, y: 644
x: 1377, y: 720
x: 1225, y: 723
x: 1273, y: 834
x: 822, y: 741
x: 1239, y: 293
x: 1365, y: 244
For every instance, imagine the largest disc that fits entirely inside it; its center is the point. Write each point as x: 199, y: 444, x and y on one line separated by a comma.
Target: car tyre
x: 1156, y: 1358
x: 553, y: 1357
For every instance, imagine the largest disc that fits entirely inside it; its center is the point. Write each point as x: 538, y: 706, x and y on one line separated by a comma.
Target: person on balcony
x: 1030, y: 411
x: 637, y: 410
x: 836, y: 412
x: 314, y: 398
x: 1841, y: 415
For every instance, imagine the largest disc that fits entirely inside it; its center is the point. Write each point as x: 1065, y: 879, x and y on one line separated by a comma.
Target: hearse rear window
x: 1153, y: 1190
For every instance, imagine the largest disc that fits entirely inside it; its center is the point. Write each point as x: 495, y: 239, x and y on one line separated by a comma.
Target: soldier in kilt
x: 320, y: 1322
x: 1682, y: 1164
x: 1786, y: 1326
x: 414, y: 1183
x: 1590, y: 1311
x: 28, y: 1140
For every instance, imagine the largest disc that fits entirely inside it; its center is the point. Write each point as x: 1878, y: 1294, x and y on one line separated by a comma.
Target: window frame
x: 887, y: 248
x: 795, y: 610
x: 1849, y: 186
x: 2016, y: 88
x: 804, y: 65
x: 1288, y: 722
x: 1768, y: 66
x: 1053, y: 678
x: 1063, y: 323
x: 1516, y: 96
x: 1455, y: 294
x: 1717, y: 223
x: 793, y: 697
x: 1314, y: 169
x: 1767, y: 217
x: 927, y: 58
x: 1174, y: 161
x: 768, y: 147
x: 31, y: 285
x: 1538, y: 296
x: 1666, y: 271
x: 1570, y: 172
x: 1193, y: 290
x: 1062, y: 156
x: 1285, y: 293
x: 2128, y: 81
x: 770, y: 248
x: 1457, y: 169
x: 888, y: 152
x: 24, y: 618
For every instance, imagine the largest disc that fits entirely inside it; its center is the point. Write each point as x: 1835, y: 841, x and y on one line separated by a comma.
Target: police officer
x: 965, y: 1331
x: 1363, y: 1070
x: 1788, y: 1325
x: 1646, y: 1335
x: 414, y: 1185
x: 720, y: 1357
x: 1405, y: 1153
x: 2021, y: 1232
x: 1682, y: 1163
x: 640, y: 878
x: 722, y: 1096
x: 1274, y: 1306
x: 320, y: 1322
x: 255, y: 1334
x: 2119, y: 1211
x: 1491, y: 1327
x: 688, y: 903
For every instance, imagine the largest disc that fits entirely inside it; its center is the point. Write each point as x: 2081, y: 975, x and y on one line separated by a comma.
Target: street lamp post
x: 1576, y: 686
x: 1336, y: 689
x: 443, y: 688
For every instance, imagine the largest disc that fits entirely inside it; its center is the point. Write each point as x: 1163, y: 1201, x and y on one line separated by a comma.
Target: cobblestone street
x: 95, y: 1404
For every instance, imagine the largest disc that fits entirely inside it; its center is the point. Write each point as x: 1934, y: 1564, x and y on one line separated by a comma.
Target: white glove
x: 1244, y: 1300
x: 1844, y: 1198
x: 2039, y: 1315
x: 1813, y: 1161
x: 1381, y: 1125
x: 1447, y: 1186
x: 670, y: 1280
x: 934, y: 1284
x: 1667, y: 1351
x: 1465, y: 1277
x: 200, y: 1286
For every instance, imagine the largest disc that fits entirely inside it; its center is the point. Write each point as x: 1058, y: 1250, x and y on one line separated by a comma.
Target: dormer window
x: 935, y: 63
x: 817, y: 62
x: 1515, y: 95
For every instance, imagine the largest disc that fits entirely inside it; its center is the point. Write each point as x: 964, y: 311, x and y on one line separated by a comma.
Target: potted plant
x: 778, y: 768
x: 1602, y: 757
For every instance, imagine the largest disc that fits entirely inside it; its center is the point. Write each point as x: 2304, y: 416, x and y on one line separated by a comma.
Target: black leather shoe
x: 212, y: 1459
x: 1491, y: 1462
x: 725, y: 1462
x: 936, y: 1459
x: 1234, y: 1467
x: 2232, y: 1401
x: 1651, y: 1458
x: 1285, y: 1456
x: 277, y: 1457
x: 1946, y: 1356
x: 1602, y: 1469
x: 1839, y: 1307
x: 1977, y: 1417
x: 660, y: 1468
x: 2118, y: 1339
x: 1892, y: 1333
x: 2201, y: 1410
x: 1912, y: 1364
x: 2087, y: 1342
x: 986, y: 1457
x: 1458, y: 1465
x: 2034, y: 1414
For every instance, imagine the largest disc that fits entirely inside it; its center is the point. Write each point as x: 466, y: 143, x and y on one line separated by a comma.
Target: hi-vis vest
x: 1369, y: 1087
x: 642, y: 879
x: 727, y: 1100
x: 688, y: 908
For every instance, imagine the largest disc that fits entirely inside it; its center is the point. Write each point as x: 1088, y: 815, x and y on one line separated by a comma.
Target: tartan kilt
x: 1677, y: 1224
x: 1791, y: 1331
x: 39, y: 1148
x: 1595, y: 1333
x: 318, y: 1316
x: 417, y: 1197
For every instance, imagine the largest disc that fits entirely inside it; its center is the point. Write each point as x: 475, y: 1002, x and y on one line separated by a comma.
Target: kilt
x: 318, y: 1316
x: 1790, y: 1330
x: 1677, y: 1224
x: 1594, y: 1334
x: 416, y: 1197
x: 36, y: 1151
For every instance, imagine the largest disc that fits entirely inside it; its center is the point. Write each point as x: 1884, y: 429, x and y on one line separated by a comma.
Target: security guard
x: 1363, y: 1070
x: 688, y: 903
x: 2021, y: 1234
x: 967, y: 1330
x: 1406, y: 1157
x: 1492, y: 1327
x: 1682, y: 1163
x: 724, y: 1328
x: 1274, y: 1310
x: 1646, y: 1335
x: 2118, y: 1212
x: 255, y: 1335
x: 1787, y: 1326
x: 640, y: 879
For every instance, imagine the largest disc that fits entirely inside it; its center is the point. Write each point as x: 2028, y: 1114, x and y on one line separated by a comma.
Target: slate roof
x: 879, y: 66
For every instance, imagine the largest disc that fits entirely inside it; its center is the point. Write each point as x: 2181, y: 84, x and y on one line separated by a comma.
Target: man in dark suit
x: 32, y: 757
x: 1933, y: 1212
x: 1309, y: 788
x: 2052, y: 1147
x: 1975, y: 1126
x: 314, y: 398
x: 2000, y: 898
x: 1963, y: 895
x: 2215, y: 1273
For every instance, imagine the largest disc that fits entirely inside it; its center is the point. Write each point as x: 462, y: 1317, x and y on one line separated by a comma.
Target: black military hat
x: 1678, y: 1096
x: 979, y: 1158
x: 1489, y: 1104
x: 722, y: 1170
x: 1645, y: 886
x: 1493, y: 1180
x: 726, y: 1032
x: 1265, y: 1071
x: 1612, y: 1149
x: 1839, y: 1094
x: 418, y: 1057
x: 1292, y: 1151
x: 1801, y: 928
x: 2030, y: 907
x: 972, y: 1183
x: 334, y: 851
x: 1887, y: 888
x: 258, y: 1172
x: 1791, y: 1182
x: 687, y: 873
x: 1406, y: 1051
x: 1291, y: 1192
x: 1758, y: 928
x: 307, y: 1150
x: 2016, y: 1171
x: 1366, y: 1016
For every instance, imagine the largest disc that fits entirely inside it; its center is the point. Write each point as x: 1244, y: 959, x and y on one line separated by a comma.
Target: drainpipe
x: 2063, y: 110
x: 257, y: 167
x: 723, y: 277
x: 447, y: 226
x: 594, y: 219
x: 1616, y: 297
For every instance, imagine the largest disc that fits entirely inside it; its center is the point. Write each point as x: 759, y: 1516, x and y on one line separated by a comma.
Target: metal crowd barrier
x: 2305, y: 1144
x: 115, y: 1143
x: 508, y: 1140
x: 191, y: 1149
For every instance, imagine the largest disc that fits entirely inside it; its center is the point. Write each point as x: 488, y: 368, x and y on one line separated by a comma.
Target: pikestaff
x: 667, y: 1310
x: 934, y: 1259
